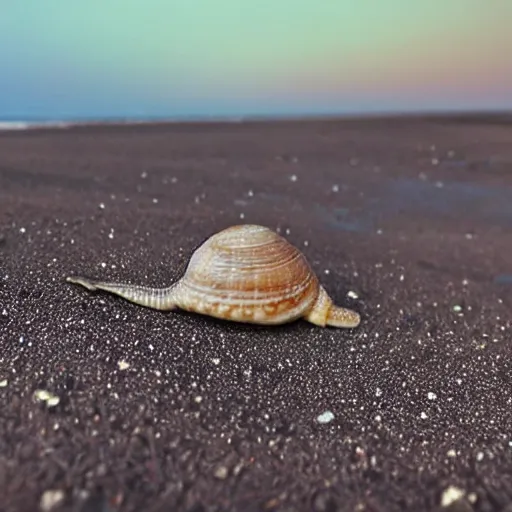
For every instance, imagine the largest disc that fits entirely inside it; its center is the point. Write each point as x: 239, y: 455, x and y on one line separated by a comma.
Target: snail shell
x: 245, y: 273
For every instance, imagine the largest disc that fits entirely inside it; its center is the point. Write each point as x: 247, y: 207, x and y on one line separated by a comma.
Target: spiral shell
x: 248, y: 273
x: 245, y: 273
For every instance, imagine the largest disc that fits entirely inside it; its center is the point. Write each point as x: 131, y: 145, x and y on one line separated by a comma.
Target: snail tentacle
x: 163, y: 299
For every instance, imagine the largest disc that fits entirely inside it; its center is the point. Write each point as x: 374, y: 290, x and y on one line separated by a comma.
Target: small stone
x: 53, y: 401
x: 3, y: 383
x: 352, y: 295
x: 221, y: 472
x: 51, y: 499
x: 450, y: 495
x: 325, y: 417
x: 123, y: 365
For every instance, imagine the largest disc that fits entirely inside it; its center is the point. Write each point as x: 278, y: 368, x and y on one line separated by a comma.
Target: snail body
x: 245, y: 273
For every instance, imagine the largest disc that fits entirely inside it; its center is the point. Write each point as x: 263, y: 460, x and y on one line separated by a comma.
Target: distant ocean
x: 501, y: 116
x: 32, y: 124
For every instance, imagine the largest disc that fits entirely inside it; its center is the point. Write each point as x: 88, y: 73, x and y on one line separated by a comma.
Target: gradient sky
x: 70, y: 59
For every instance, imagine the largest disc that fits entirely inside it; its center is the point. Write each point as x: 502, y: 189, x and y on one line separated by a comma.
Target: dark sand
x: 414, y: 216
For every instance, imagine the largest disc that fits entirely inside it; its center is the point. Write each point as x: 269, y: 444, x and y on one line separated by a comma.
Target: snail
x: 245, y: 273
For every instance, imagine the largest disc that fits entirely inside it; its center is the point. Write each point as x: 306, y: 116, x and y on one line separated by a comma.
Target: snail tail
x: 342, y: 317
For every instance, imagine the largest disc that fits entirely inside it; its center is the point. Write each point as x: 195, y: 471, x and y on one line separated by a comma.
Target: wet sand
x: 407, y: 221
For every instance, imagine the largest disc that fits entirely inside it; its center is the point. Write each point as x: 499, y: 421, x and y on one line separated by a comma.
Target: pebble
x: 50, y: 499
x: 221, y: 472
x: 450, y: 495
x: 123, y: 365
x: 325, y: 417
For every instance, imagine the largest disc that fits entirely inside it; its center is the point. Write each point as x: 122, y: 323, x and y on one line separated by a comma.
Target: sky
x: 100, y: 59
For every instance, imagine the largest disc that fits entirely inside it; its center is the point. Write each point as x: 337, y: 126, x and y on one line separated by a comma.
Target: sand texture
x: 109, y: 406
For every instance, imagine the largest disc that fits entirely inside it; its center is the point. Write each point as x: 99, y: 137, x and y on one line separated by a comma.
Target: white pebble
x: 450, y: 495
x: 293, y: 177
x: 51, y: 499
x: 123, y: 365
x: 352, y: 294
x: 325, y: 417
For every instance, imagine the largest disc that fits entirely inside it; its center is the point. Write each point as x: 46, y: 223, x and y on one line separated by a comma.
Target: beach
x: 110, y: 406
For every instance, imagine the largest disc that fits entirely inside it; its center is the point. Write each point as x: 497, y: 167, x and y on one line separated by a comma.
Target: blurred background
x: 188, y: 59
